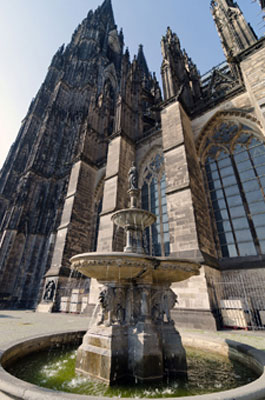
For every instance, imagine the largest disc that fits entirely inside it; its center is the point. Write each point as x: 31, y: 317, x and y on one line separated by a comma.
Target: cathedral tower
x: 52, y: 180
x: 235, y: 33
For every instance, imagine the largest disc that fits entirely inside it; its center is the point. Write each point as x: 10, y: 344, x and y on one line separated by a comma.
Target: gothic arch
x: 232, y: 153
x: 98, y: 200
x: 110, y: 74
x: 146, y: 160
x: 237, y: 117
x: 152, y: 182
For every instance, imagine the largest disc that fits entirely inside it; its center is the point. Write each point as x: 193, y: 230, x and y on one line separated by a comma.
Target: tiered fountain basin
x: 127, y: 268
x: 135, y: 217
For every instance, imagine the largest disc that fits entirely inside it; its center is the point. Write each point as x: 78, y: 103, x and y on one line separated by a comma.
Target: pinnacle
x: 106, y: 11
x: 141, y: 60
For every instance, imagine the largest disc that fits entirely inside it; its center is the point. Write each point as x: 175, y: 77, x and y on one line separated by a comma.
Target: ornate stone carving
x: 119, y: 307
x: 162, y: 302
x: 49, y: 291
x: 112, y: 302
x: 106, y: 302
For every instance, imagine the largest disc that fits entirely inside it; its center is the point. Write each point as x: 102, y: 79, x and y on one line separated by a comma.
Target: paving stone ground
x: 16, y: 325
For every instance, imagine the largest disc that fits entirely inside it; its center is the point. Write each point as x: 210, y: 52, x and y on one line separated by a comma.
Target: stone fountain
x: 134, y: 336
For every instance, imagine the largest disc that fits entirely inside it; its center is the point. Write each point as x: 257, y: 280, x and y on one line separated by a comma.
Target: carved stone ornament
x: 163, y: 301
x: 49, y: 291
x: 106, y: 302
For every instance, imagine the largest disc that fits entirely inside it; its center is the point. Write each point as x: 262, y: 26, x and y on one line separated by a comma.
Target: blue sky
x: 32, y: 30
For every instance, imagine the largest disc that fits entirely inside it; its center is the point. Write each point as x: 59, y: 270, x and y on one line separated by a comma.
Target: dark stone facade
x: 48, y: 182
x: 95, y: 113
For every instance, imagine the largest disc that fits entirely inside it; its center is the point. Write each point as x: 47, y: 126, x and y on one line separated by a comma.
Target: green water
x: 206, y: 373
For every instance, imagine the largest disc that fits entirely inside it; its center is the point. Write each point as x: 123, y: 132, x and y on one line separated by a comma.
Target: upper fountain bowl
x: 133, y: 218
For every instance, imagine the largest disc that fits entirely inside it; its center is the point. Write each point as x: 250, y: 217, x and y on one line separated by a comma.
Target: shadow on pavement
x: 8, y: 316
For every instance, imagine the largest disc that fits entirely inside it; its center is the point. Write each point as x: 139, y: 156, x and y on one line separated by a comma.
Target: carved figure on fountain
x: 112, y: 302
x: 106, y: 302
x: 119, y: 306
x: 163, y: 301
x: 133, y: 177
x: 168, y: 301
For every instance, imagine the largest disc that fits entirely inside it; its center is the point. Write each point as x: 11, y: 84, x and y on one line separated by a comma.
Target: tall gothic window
x: 98, y: 209
x: 153, y: 191
x: 235, y: 171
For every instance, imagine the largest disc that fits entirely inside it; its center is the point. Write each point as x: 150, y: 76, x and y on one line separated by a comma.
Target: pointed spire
x: 142, y: 60
x: 106, y: 13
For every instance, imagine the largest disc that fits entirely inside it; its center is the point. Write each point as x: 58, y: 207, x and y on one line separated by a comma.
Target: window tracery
x: 234, y: 164
x: 153, y: 197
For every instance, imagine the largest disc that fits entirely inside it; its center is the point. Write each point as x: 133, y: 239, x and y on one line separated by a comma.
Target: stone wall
x: 241, y: 102
x: 189, y: 223
x: 121, y: 153
x: 253, y: 71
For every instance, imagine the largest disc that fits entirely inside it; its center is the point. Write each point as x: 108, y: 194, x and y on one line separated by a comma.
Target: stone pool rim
x: 14, y: 388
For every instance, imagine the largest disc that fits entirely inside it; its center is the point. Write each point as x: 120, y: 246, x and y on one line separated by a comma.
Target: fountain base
x: 144, y: 352
x: 102, y: 354
x: 134, y: 336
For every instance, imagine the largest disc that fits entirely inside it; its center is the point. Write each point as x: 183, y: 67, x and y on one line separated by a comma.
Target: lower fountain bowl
x: 13, y: 388
x: 118, y: 267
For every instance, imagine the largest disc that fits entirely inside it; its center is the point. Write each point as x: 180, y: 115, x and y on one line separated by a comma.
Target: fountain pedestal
x: 131, y: 339
x: 103, y: 354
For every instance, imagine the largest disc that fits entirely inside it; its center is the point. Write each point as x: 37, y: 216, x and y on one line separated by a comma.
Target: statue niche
x: 49, y: 291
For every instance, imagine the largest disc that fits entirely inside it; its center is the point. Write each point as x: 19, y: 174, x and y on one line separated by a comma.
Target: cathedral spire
x: 235, y: 33
x: 142, y: 60
x: 106, y: 13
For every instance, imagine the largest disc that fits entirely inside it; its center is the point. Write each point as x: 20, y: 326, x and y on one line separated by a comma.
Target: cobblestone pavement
x: 16, y: 325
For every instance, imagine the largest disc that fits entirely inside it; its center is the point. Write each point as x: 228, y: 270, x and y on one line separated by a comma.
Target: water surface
x: 207, y: 373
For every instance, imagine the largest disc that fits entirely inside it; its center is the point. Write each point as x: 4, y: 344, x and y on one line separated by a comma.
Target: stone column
x: 189, y: 222
x: 190, y: 229
x: 121, y: 153
x: 73, y: 235
x: 253, y: 71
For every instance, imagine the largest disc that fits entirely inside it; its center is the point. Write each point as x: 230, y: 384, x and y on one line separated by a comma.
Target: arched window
x: 98, y: 203
x: 234, y: 161
x: 109, y: 99
x: 153, y: 195
x: 98, y: 209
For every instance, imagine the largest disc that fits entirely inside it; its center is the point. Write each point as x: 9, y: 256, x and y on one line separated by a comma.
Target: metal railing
x: 239, y: 301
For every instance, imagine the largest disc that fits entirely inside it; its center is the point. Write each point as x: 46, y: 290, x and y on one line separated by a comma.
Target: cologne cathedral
x: 199, y: 149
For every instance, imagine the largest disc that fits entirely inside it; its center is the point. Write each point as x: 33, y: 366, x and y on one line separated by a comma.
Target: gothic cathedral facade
x: 199, y: 151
